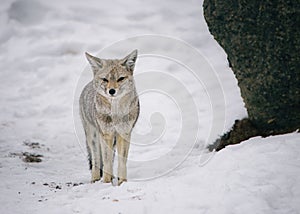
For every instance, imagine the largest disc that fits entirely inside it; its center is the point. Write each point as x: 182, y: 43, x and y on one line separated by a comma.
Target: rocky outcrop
x: 262, y: 42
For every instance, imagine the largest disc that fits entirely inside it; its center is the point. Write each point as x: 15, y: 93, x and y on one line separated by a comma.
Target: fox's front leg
x: 107, y: 155
x: 122, y: 147
x: 93, y: 146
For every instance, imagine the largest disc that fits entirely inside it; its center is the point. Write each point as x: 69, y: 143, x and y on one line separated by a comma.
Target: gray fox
x: 109, y: 108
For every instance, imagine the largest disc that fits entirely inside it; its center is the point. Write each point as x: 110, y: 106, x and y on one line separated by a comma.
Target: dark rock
x: 262, y: 41
x: 242, y: 130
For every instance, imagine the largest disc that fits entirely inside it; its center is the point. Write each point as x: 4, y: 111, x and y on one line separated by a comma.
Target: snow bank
x: 259, y: 175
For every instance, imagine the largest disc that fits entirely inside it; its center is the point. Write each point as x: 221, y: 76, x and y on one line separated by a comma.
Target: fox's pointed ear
x: 129, y: 61
x: 95, y: 62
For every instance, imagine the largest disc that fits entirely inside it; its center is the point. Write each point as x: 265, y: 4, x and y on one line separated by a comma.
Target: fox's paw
x: 107, y: 178
x: 95, y: 176
x: 95, y: 180
x: 121, y: 180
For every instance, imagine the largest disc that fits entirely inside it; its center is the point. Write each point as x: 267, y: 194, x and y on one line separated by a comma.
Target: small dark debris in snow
x: 19, y: 193
x: 33, y: 182
x: 15, y: 154
x: 53, y: 185
x: 28, y: 157
x: 31, y: 158
x: 115, y: 200
x: 58, y: 186
x: 33, y: 145
x: 134, y: 190
x: 42, y: 198
x: 77, y: 184
x: 71, y: 184
x: 136, y: 197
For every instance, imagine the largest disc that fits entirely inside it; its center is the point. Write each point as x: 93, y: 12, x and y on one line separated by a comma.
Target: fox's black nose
x: 112, y: 91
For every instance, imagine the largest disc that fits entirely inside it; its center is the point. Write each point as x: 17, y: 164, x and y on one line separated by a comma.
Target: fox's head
x: 113, y: 78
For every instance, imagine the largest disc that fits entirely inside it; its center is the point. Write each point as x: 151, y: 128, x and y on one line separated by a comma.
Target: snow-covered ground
x: 43, y: 68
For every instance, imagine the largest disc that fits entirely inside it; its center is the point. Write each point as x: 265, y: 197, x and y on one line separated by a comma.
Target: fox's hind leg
x: 97, y: 139
x: 93, y: 145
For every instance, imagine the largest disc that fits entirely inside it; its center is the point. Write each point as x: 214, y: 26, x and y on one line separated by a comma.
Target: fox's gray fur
x: 109, y: 108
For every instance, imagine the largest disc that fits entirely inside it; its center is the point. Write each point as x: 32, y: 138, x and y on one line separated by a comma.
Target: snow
x: 188, y: 96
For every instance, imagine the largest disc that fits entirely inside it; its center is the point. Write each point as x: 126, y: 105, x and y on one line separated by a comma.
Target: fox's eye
x: 104, y: 80
x: 120, y: 79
